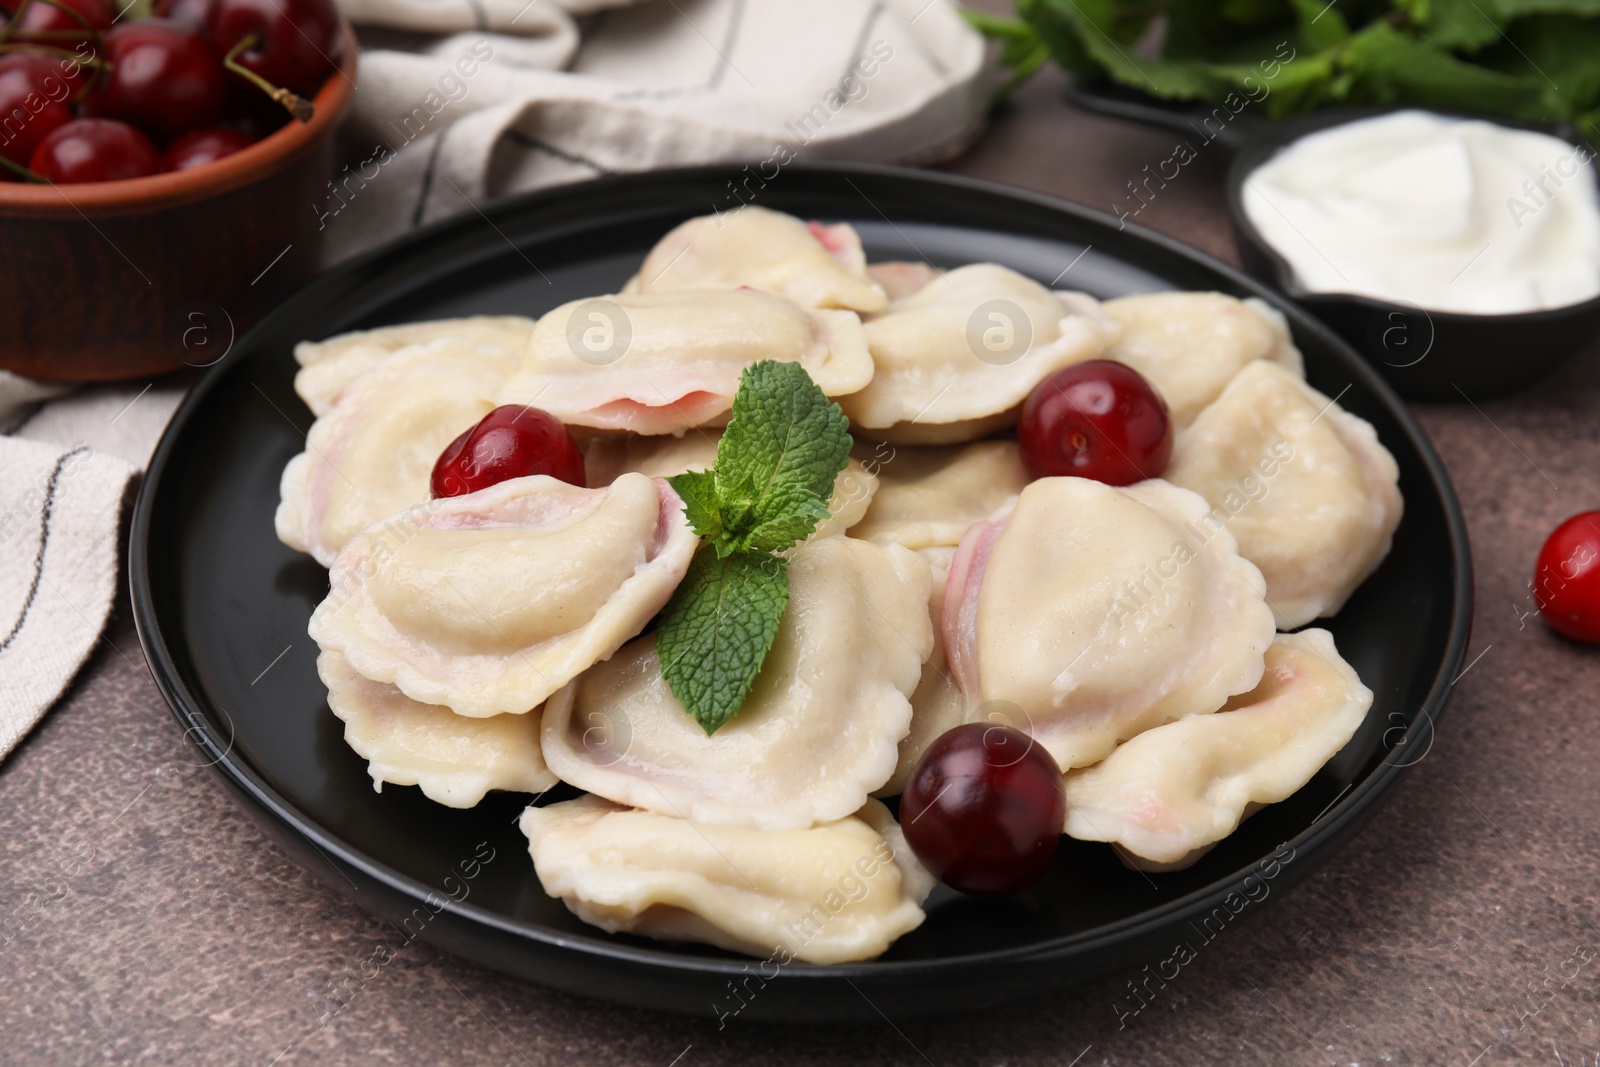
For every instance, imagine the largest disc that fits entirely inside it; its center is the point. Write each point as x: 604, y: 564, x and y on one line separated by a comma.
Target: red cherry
x: 34, y: 101
x: 184, y: 12
x: 164, y: 78
x: 43, y: 18
x: 298, y: 42
x: 199, y: 147
x: 95, y: 150
x: 510, y: 442
x: 1566, y: 580
x: 983, y: 809
x: 1098, y: 419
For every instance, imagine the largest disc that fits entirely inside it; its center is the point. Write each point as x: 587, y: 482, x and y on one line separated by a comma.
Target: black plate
x: 1426, y: 355
x: 218, y: 600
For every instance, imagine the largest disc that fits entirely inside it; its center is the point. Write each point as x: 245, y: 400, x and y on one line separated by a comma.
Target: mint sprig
x: 785, y: 444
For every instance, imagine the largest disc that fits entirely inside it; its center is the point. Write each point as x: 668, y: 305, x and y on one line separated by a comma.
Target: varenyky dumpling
x: 1189, y: 345
x: 453, y: 759
x: 928, y: 497
x: 818, y: 731
x: 842, y: 891
x: 372, y: 454
x: 1102, y: 612
x: 812, y: 264
x: 328, y: 368
x: 489, y: 602
x: 608, y: 456
x: 958, y: 356
x: 663, y: 363
x: 1169, y: 794
x: 901, y: 278
x: 1307, y: 489
x: 936, y: 704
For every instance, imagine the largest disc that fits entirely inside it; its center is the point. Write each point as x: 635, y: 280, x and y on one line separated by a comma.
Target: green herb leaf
x: 699, y: 492
x: 714, y: 633
x: 784, y: 445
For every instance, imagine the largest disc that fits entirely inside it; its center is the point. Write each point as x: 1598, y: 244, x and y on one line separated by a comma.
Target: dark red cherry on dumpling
x: 511, y: 441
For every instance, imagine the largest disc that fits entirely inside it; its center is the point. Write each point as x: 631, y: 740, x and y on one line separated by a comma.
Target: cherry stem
x: 47, y: 50
x: 23, y: 172
x: 15, y: 21
x: 298, y: 106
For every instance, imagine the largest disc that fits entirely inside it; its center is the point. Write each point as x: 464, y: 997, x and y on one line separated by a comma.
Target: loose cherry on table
x: 199, y: 147
x: 1566, y: 580
x: 1098, y: 419
x: 95, y: 150
x: 510, y: 442
x: 983, y: 809
x: 34, y: 95
x: 164, y: 78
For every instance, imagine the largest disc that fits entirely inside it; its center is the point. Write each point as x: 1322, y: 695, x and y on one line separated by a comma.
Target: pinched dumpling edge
x: 633, y: 909
x: 328, y: 368
x: 1232, y: 798
x: 374, y: 646
x: 841, y: 784
x: 454, y: 786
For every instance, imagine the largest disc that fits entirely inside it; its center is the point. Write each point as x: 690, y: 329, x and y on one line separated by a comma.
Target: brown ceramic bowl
x: 131, y: 278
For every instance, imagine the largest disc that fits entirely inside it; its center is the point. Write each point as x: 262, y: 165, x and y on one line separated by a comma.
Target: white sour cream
x: 1442, y: 213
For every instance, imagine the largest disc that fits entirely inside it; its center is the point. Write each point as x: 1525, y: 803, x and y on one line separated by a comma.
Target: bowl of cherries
x: 160, y: 169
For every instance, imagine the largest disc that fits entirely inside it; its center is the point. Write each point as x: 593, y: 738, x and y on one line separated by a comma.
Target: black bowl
x: 222, y: 607
x: 1425, y: 354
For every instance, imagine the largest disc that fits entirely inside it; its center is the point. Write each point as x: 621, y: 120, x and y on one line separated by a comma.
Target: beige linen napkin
x: 67, y: 469
x: 490, y: 97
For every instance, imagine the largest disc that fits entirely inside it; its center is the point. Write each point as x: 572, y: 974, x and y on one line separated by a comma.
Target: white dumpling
x: 834, y: 893
x: 453, y: 759
x: 372, y: 453
x: 1100, y: 612
x: 900, y: 278
x: 1305, y: 487
x: 810, y: 263
x: 1188, y: 345
x: 936, y: 704
x: 328, y: 368
x: 662, y: 457
x: 818, y: 731
x: 1171, y: 793
x: 663, y: 363
x: 928, y: 497
x: 489, y: 602
x: 958, y: 356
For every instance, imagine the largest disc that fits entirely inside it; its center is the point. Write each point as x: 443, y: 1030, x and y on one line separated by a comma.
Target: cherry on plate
x: 1098, y: 419
x: 95, y: 150
x: 511, y: 441
x: 199, y: 147
x: 34, y: 101
x: 164, y: 78
x: 983, y: 809
x: 1566, y: 580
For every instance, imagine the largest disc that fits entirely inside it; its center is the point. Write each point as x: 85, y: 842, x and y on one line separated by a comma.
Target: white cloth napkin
x: 68, y: 464
x: 490, y: 97
x: 461, y: 101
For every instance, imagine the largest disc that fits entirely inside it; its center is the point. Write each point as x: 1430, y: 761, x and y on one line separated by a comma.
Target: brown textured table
x: 143, y: 920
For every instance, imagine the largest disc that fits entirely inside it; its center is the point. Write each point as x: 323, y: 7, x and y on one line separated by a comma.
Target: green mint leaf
x: 777, y: 460
x: 699, y: 492
x: 714, y: 633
